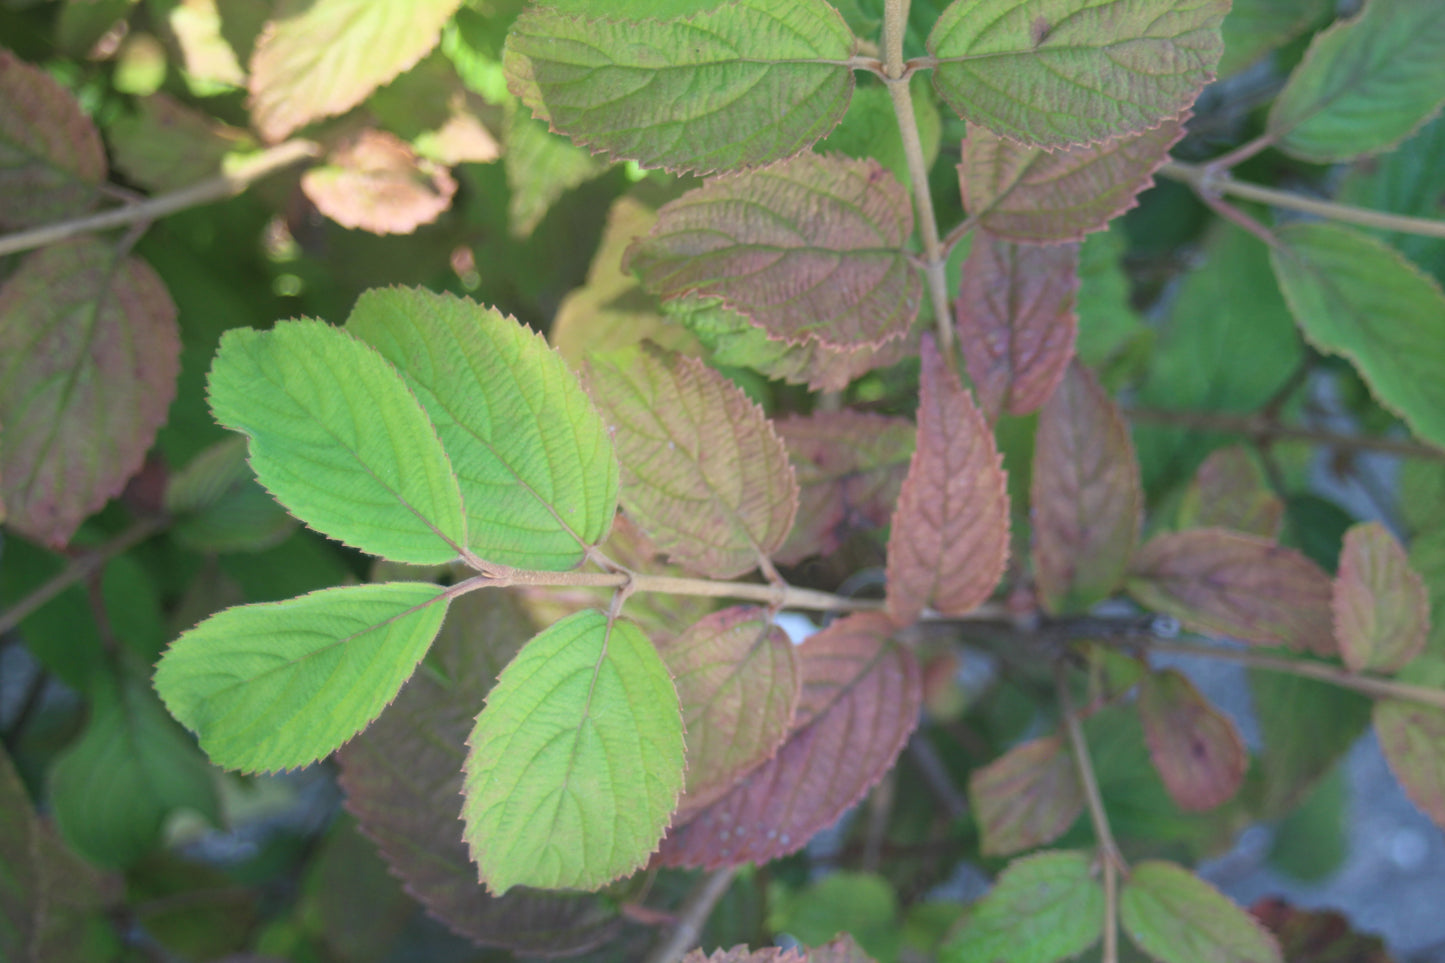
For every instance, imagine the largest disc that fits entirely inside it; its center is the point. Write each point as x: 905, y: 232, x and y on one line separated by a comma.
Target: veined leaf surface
x: 1412, y: 737
x: 1194, y: 746
x: 1381, y: 608
x: 1230, y: 491
x: 536, y: 467
x: 1176, y: 917
x: 1026, y: 797
x: 1042, y: 909
x: 278, y: 685
x: 51, y: 159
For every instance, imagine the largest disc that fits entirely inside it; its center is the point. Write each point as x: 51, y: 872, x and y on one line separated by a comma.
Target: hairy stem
x: 1265, y: 429
x: 692, y: 917
x: 217, y: 188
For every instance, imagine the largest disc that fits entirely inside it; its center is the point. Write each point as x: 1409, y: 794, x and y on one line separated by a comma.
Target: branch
x: 1265, y: 429
x: 692, y: 917
x: 220, y: 187
x: 1210, y: 182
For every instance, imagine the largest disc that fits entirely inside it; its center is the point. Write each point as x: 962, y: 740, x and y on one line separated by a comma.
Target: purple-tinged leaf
x: 1025, y: 798
x: 1194, y: 746
x: 1225, y: 583
x: 1176, y: 917
x: 403, y: 782
x: 1088, y: 503
x: 1016, y: 321
x: 841, y: 950
x: 1317, y: 936
x: 89, y: 354
x: 703, y: 473
x: 1412, y: 737
x: 1230, y: 491
x: 1030, y: 195
x: 737, y: 682
x: 950, y: 532
x: 1382, y: 611
x: 860, y: 700
x: 850, y: 466
x: 807, y: 248
x: 375, y: 182
x: 51, y: 158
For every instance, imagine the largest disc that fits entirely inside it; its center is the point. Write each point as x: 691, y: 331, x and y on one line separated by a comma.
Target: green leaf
x: 577, y: 760
x: 1255, y: 27
x: 699, y: 86
x: 1408, y: 180
x: 863, y: 905
x: 1176, y: 917
x: 219, y: 506
x: 166, y: 144
x: 537, y: 470
x: 112, y: 789
x: 51, y: 159
x: 1230, y: 491
x: 317, y: 58
x: 279, y: 685
x: 1056, y: 73
x: 870, y: 128
x: 340, y: 440
x: 541, y: 166
x: 1307, y: 727
x: 1042, y: 909
x: 1026, y: 797
x: 1365, y: 85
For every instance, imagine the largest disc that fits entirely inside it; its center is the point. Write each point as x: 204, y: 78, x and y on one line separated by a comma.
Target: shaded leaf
x: 1055, y: 73
x: 1226, y: 583
x: 1036, y: 196
x: 1088, y: 505
x: 1255, y: 27
x: 537, y: 470
x: 577, y: 760
x: 864, y: 906
x: 1230, y: 491
x: 950, y: 532
x: 279, y: 685
x: 1016, y: 321
x: 870, y: 127
x: 694, y: 86
x: 703, y: 473
x: 166, y: 144
x: 1307, y: 728
x: 810, y: 248
x: 340, y: 440
x: 850, y: 466
x: 1365, y: 84
x: 51, y: 158
x: 1354, y: 296
x: 737, y: 682
x: 860, y: 701
x: 317, y: 58
x: 1042, y: 908
x: 89, y: 354
x: 1026, y: 797
x: 1194, y: 746
x: 373, y: 181
x: 219, y: 506
x: 1406, y: 180
x: 540, y: 167
x: 1176, y: 917
x: 841, y: 950
x: 1381, y: 608
x: 1412, y: 737
x: 1317, y: 936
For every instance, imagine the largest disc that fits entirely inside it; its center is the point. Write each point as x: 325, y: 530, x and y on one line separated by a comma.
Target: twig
x: 692, y: 917
x: 959, y: 232
x: 1266, y: 429
x: 217, y: 188
x: 1241, y: 153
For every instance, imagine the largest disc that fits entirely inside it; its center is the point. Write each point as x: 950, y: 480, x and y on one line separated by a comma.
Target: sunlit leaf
x: 51, y: 158
x: 1354, y: 296
x: 278, y: 685
x: 1176, y: 917
x: 807, y: 248
x: 841, y: 950
x: 1026, y: 797
x: 703, y: 473
x: 1042, y: 909
x: 1242, y: 586
x: 374, y: 182
x: 1365, y: 84
x: 950, y: 532
x: 340, y: 440
x: 1412, y: 737
x: 577, y: 760
x: 1087, y: 502
x: 1056, y: 73
x: 695, y: 86
x: 1194, y: 746
x: 1381, y: 608
x: 860, y: 701
x: 1230, y: 491
x: 89, y: 354
x: 536, y: 467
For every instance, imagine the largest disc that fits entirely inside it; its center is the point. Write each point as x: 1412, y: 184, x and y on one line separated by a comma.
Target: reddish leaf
x: 373, y: 181
x: 1087, y: 500
x: 1317, y: 936
x: 810, y: 248
x: 950, y: 532
x: 1194, y: 746
x: 51, y: 158
x: 860, y: 700
x: 1029, y: 194
x: 737, y: 681
x: 1413, y: 739
x: 1225, y: 583
x: 703, y: 473
x: 841, y: 950
x: 850, y: 466
x: 89, y: 354
x: 403, y: 782
x: 1016, y: 321
x: 1027, y: 797
x: 1382, y: 611
x: 1230, y: 491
